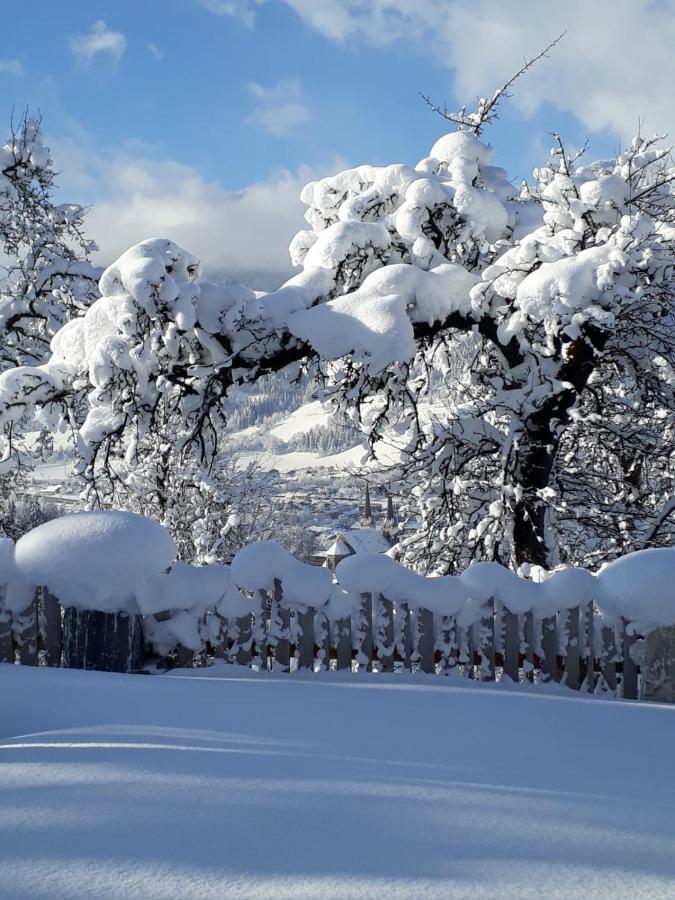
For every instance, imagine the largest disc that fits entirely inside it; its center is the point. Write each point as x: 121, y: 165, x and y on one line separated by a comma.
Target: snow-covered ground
x: 233, y: 784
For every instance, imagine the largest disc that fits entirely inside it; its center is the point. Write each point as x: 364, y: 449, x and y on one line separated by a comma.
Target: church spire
x: 390, y: 526
x: 367, y: 520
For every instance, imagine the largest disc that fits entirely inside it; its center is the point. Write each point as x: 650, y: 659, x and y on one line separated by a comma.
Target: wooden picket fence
x: 574, y: 646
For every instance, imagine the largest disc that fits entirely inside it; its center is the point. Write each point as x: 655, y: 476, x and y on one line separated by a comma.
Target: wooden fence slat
x: 511, y: 645
x: 184, y: 658
x: 530, y: 642
x: 630, y: 672
x: 106, y: 642
x: 279, y: 631
x: 51, y: 628
x: 260, y: 630
x: 469, y: 637
x: 572, y: 650
x: 342, y: 631
x: 243, y: 643
x: 322, y: 639
x: 25, y: 627
x: 365, y: 634
x: 306, y: 639
x: 386, y: 644
x: 448, y: 645
x: 486, y: 647
x: 549, y: 648
x: 609, y: 653
x: 380, y: 630
x: 403, y: 610
x: 221, y: 638
x: 590, y: 648
x: 6, y: 643
x: 426, y: 643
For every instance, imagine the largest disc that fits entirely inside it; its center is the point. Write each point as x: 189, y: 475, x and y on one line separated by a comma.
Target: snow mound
x: 257, y: 566
x: 462, y: 145
x: 639, y: 587
x: 184, y: 587
x: 95, y: 560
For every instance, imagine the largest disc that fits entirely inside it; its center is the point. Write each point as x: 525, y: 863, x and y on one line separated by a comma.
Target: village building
x: 365, y: 537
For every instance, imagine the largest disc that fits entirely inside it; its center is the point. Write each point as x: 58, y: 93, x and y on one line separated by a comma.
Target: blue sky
x: 157, y: 110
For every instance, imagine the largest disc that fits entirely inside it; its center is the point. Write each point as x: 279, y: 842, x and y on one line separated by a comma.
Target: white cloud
x: 134, y: 195
x: 239, y: 9
x: 100, y: 40
x: 156, y: 52
x: 11, y: 67
x: 278, y: 109
x: 615, y: 65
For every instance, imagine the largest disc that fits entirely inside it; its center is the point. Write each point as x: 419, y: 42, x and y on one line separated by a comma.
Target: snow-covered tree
x: 132, y: 379
x: 561, y: 441
x: 211, y: 511
x: 46, y: 277
x: 556, y: 439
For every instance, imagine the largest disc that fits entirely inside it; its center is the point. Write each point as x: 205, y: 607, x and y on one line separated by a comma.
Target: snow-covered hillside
x: 280, y: 424
x: 277, y: 427
x: 231, y: 784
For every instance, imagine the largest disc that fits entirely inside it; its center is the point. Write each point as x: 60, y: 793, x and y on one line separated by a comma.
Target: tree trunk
x: 532, y: 472
x: 537, y: 450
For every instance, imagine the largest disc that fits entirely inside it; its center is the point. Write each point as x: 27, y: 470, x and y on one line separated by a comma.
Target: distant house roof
x: 338, y: 548
x: 365, y: 540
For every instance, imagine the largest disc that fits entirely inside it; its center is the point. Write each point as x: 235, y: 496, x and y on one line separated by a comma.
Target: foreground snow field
x: 238, y: 785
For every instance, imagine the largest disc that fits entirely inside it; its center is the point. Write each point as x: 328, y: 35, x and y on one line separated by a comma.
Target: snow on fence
x: 272, y: 612
x: 574, y: 646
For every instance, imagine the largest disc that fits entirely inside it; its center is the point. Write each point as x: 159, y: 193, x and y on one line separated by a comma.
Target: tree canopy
x: 510, y: 348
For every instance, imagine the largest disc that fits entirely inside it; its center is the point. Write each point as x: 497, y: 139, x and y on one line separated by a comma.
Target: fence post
x: 306, y: 639
x: 572, y: 650
x: 244, y: 655
x: 529, y: 645
x: 184, y: 658
x: 426, y: 643
x: 342, y: 631
x: 658, y: 672
x: 549, y: 648
x: 403, y: 609
x: 609, y: 650
x: 105, y: 642
x: 385, y: 642
x: 50, y: 628
x: 486, y: 648
x: 278, y: 634
x: 630, y: 672
x: 260, y: 627
x: 365, y: 634
x: 590, y: 648
x: 511, y: 645
x: 6, y: 644
x: 221, y: 641
x: 26, y: 633
x: 448, y: 645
